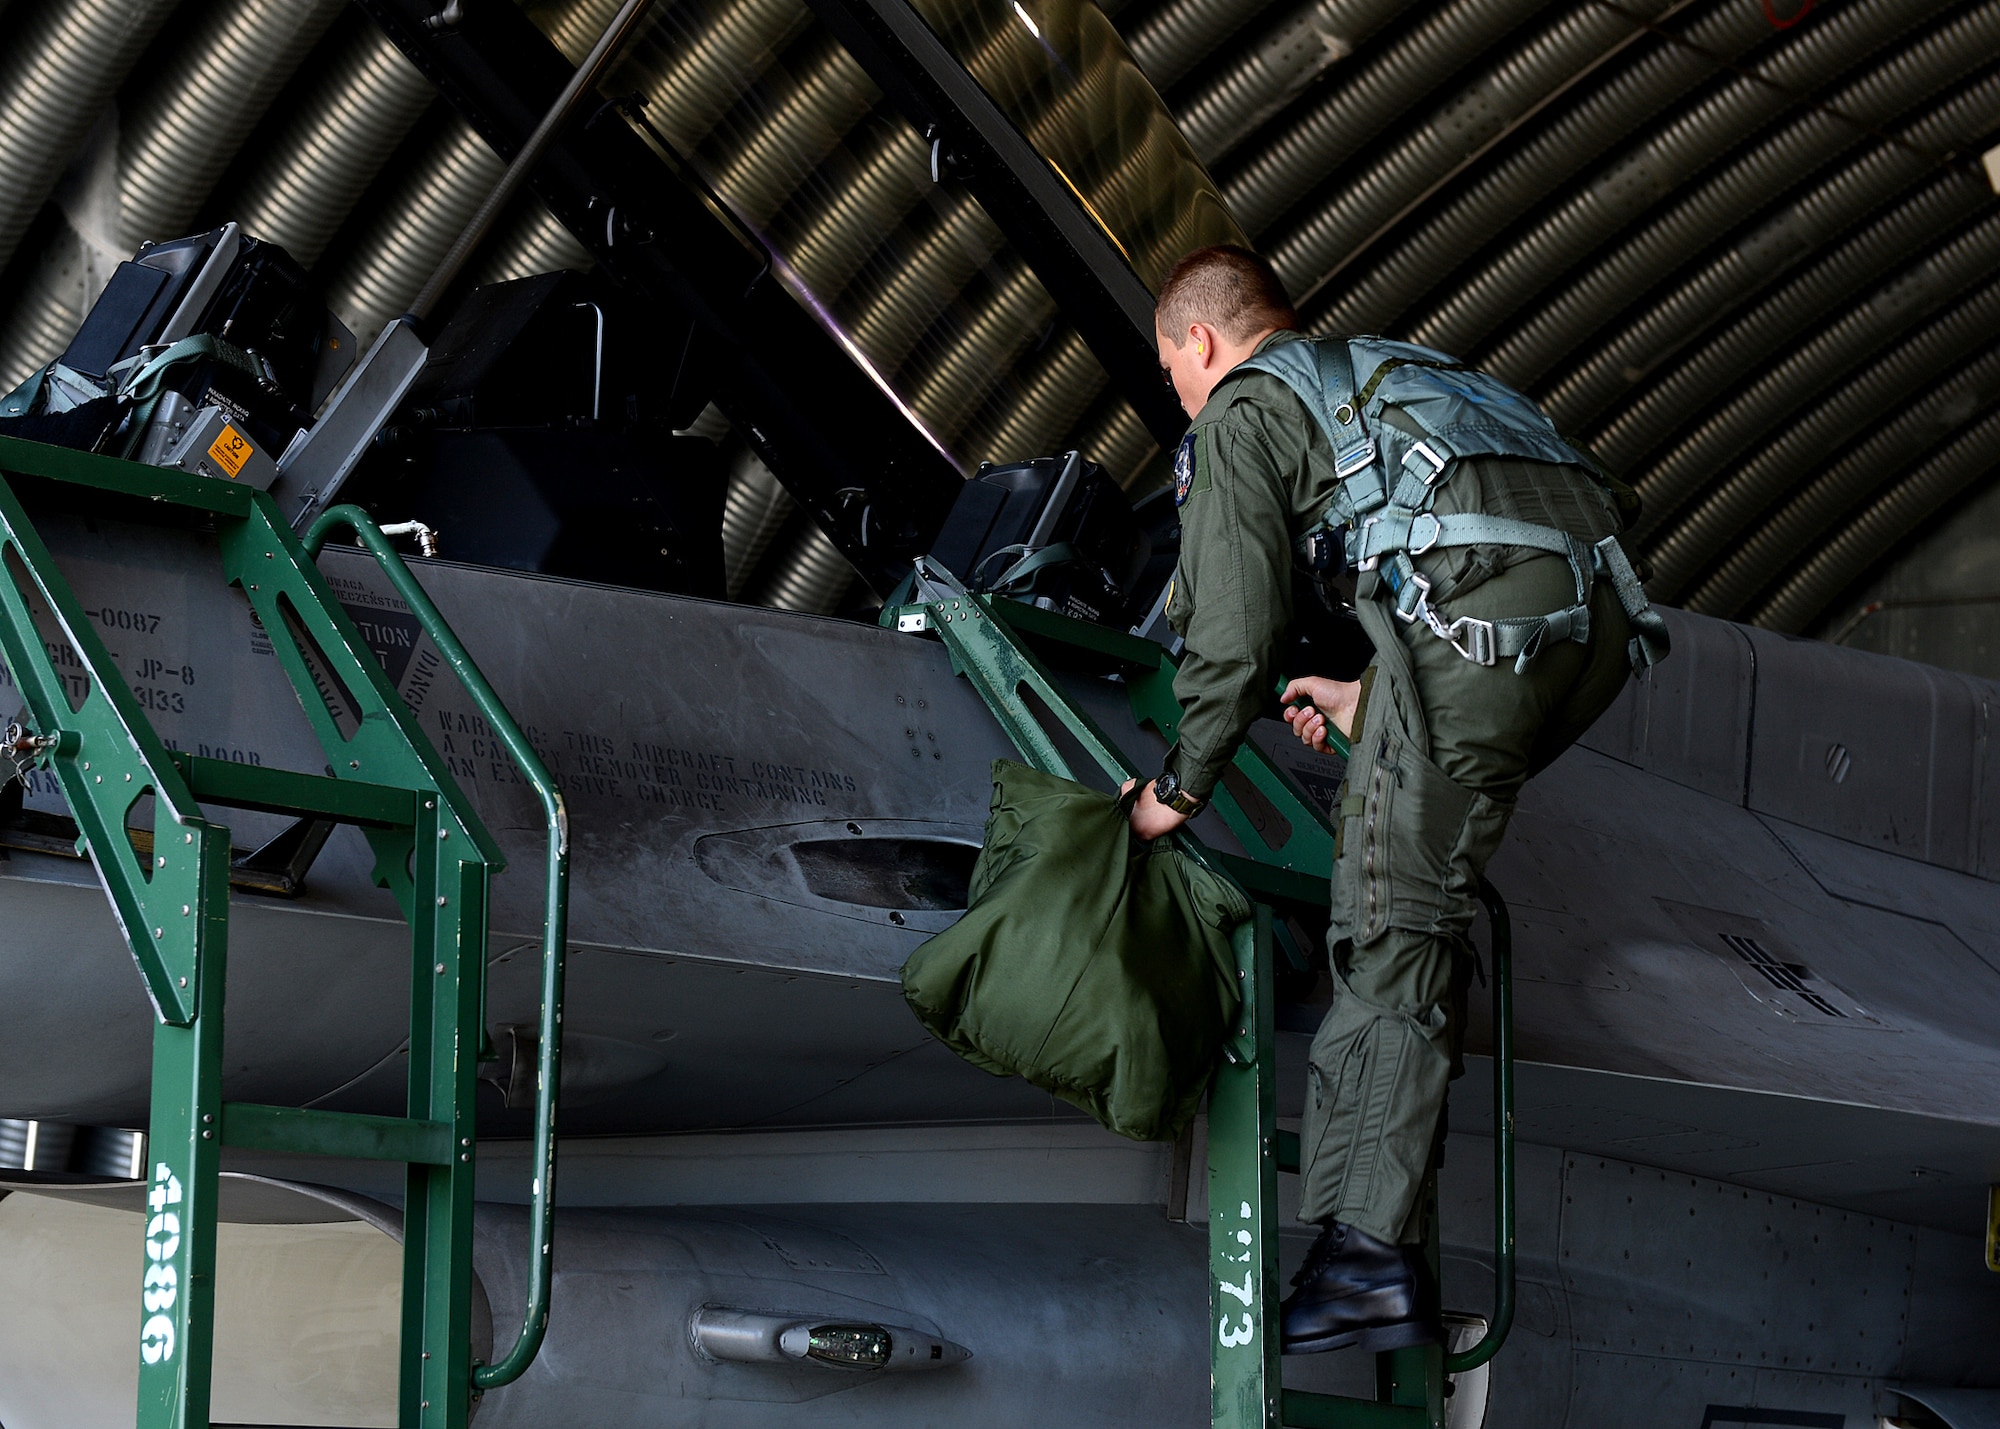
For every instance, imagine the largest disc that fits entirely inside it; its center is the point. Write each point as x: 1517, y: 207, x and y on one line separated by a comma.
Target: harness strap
x: 141, y: 378
x: 1416, y: 532
x: 1014, y: 578
x: 1485, y: 642
x: 1525, y: 639
x: 1360, y: 476
x: 1424, y: 466
x: 1387, y: 517
x: 1649, y: 643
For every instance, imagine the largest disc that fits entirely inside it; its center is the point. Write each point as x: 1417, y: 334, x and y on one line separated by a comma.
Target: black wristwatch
x: 1167, y: 789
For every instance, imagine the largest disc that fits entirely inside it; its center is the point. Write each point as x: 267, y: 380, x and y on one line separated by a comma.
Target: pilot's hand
x: 1150, y: 818
x: 1314, y: 700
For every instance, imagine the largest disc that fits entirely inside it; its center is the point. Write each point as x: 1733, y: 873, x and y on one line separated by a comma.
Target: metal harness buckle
x: 1479, y: 645
x: 1421, y: 607
x: 1430, y: 455
x: 1361, y: 544
x: 1473, y: 638
x: 1349, y: 460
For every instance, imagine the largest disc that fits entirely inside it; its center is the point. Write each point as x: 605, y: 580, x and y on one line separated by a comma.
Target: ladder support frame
x: 447, y: 981
x: 1245, y: 1386
x: 184, y: 1157
x: 432, y: 853
x: 106, y: 756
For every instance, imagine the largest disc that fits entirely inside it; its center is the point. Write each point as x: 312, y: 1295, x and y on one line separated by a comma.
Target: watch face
x: 1167, y: 789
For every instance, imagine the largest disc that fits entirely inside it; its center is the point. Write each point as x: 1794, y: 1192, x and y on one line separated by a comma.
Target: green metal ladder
x: 171, y: 897
x: 989, y: 641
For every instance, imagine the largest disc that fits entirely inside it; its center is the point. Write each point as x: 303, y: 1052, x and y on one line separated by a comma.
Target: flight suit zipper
x: 1370, y: 856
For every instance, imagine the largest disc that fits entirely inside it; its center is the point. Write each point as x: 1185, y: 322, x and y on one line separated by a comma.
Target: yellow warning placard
x: 230, y: 450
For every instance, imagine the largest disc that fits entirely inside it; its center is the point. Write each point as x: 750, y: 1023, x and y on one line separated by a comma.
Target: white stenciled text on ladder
x: 162, y: 1288
x: 1229, y: 1336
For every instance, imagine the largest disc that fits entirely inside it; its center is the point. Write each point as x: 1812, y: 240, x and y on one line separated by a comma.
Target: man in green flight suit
x: 1289, y: 466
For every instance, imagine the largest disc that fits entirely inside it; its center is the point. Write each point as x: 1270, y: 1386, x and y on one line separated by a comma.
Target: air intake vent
x: 1762, y: 961
x: 1792, y: 978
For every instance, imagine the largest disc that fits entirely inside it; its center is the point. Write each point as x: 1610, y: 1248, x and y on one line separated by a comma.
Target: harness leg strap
x: 1650, y: 642
x: 1486, y: 642
x: 1571, y: 623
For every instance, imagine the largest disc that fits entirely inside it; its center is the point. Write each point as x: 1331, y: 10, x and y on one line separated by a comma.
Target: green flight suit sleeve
x: 1235, y: 593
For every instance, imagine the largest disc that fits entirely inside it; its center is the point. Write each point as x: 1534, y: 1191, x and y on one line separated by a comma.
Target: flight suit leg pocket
x: 1413, y: 824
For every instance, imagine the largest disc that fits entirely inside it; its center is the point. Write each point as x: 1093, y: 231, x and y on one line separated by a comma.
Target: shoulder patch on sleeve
x: 1190, y: 468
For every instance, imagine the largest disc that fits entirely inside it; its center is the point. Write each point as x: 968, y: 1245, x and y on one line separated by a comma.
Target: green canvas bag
x: 1094, y: 964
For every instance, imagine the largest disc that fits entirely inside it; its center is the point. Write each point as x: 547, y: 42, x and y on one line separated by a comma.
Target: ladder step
x: 1299, y: 1409
x: 336, y: 1133
x: 283, y: 791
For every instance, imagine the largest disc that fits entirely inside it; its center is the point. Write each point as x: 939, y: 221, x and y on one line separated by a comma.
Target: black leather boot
x: 1355, y: 1290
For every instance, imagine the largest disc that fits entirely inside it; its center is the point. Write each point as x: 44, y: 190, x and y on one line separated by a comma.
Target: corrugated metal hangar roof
x: 1745, y: 248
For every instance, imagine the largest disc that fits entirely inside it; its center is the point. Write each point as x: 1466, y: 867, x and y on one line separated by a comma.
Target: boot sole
x: 1375, y: 1338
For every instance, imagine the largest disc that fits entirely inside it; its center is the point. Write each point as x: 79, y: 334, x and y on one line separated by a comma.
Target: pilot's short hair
x: 1232, y: 289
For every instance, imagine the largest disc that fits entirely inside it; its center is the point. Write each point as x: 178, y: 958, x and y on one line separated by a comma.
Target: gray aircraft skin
x: 1757, y: 965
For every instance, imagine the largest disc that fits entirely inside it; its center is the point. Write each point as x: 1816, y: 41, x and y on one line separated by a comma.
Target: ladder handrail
x: 173, y: 910
x: 999, y: 670
x: 998, y: 676
x: 510, y: 1366
x: 437, y: 862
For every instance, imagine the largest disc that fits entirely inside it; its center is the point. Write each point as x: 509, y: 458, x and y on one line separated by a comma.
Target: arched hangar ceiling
x: 1745, y: 248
